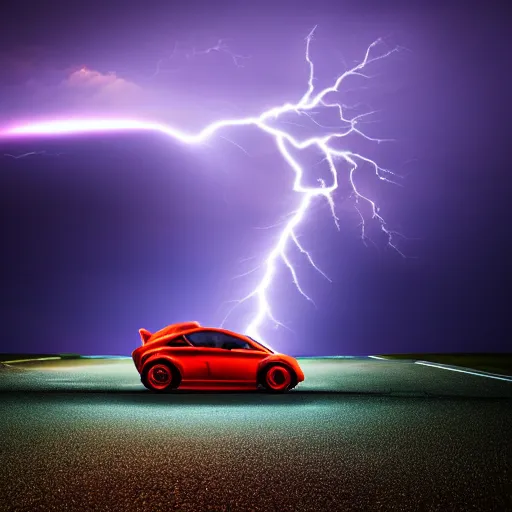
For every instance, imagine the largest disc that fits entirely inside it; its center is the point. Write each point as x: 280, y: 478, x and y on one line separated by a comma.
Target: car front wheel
x: 160, y: 376
x: 278, y: 379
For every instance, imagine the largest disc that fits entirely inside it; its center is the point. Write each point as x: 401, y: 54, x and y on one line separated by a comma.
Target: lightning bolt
x: 221, y: 47
x: 31, y: 153
x: 268, y: 122
x: 24, y: 155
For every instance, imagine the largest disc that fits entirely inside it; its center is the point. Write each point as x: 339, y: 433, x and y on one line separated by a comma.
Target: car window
x: 231, y: 342
x: 215, y: 339
x: 202, y: 339
x: 260, y: 344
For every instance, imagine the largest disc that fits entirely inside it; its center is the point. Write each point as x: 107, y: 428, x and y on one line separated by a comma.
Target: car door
x: 228, y: 357
x: 237, y: 361
x: 206, y: 349
x: 192, y: 359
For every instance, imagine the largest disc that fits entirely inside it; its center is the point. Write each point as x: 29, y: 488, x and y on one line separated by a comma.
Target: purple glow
x: 268, y: 122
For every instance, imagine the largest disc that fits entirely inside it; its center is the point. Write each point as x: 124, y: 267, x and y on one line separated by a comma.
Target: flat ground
x: 493, y: 363
x: 358, y: 434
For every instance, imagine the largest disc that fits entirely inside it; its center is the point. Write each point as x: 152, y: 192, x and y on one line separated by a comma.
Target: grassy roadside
x: 6, y: 357
x: 493, y: 363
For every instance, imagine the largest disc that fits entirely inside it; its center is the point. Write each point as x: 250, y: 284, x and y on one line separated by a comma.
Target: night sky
x: 103, y: 234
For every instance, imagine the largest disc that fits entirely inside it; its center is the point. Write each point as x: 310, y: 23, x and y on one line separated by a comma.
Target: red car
x: 187, y: 355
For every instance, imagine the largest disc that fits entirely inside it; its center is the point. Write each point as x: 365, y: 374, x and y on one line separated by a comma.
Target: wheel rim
x: 159, y: 376
x: 278, y: 378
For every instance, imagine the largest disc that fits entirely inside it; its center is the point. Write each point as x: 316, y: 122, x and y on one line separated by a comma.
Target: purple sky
x: 104, y: 234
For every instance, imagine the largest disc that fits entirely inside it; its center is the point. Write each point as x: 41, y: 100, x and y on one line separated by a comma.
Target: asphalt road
x: 358, y: 434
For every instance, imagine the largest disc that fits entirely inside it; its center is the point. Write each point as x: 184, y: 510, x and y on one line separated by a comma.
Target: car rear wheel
x: 278, y: 379
x: 160, y: 376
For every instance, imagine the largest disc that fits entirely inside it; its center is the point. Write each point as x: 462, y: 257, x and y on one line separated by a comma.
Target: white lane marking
x: 378, y: 357
x: 478, y: 374
x: 28, y: 360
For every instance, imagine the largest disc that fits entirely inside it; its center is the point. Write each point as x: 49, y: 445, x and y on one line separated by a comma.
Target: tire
x: 160, y: 376
x: 278, y: 378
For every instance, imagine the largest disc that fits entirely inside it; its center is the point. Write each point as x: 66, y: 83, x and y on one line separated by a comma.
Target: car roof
x: 183, y: 327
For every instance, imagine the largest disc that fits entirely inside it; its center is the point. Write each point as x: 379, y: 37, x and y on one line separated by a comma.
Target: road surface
x: 358, y: 434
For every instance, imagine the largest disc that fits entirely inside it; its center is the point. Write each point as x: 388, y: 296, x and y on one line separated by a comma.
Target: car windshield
x: 261, y: 344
